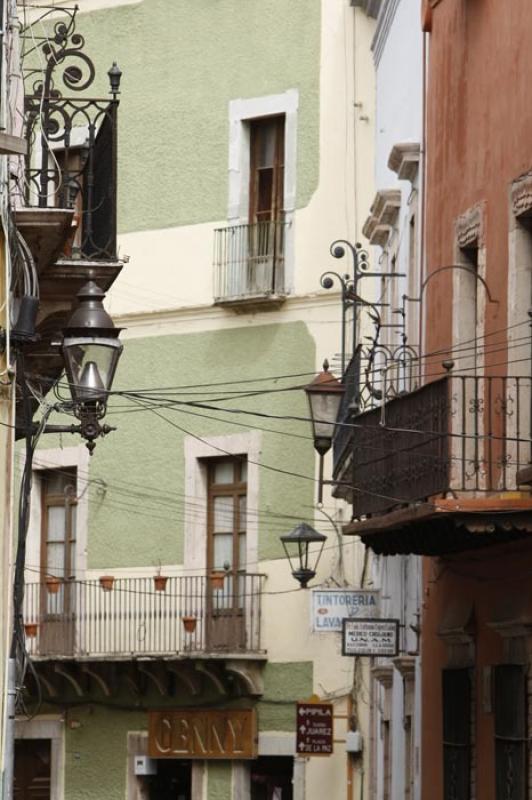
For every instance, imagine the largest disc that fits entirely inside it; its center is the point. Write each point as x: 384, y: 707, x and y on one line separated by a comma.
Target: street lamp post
x: 324, y: 396
x: 91, y: 350
x: 303, y: 562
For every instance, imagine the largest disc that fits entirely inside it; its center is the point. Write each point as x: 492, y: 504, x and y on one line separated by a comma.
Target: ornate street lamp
x: 324, y: 395
x: 91, y: 350
x: 296, y: 545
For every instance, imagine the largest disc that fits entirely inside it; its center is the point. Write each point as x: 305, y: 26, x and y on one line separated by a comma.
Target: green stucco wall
x: 128, y: 524
x: 182, y: 62
x: 96, y: 751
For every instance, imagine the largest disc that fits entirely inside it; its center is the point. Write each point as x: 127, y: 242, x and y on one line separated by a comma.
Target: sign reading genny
x: 202, y: 733
x: 331, y: 606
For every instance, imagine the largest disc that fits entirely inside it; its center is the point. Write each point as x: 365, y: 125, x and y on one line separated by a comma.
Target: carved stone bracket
x: 521, y: 195
x: 249, y: 674
x: 214, y: 674
x: 469, y: 227
x: 404, y: 160
x: 383, y: 216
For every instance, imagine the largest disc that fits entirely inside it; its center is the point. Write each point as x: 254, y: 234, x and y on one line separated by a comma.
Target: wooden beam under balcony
x: 447, y: 525
x: 45, y: 230
x: 13, y: 145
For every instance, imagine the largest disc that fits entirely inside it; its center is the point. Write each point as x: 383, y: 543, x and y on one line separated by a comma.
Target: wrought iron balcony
x: 92, y: 620
x: 249, y: 263
x: 465, y: 435
x: 71, y: 161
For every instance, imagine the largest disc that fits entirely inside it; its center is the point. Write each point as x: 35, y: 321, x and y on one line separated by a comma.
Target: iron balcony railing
x: 249, y: 261
x: 342, y: 433
x: 458, y: 434
x: 72, y: 163
x: 85, y: 619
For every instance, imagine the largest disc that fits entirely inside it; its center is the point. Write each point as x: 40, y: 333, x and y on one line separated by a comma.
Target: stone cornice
x: 384, y: 24
x: 404, y: 160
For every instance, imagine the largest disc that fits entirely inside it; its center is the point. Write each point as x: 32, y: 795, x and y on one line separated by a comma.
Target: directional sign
x: 314, y: 729
x: 370, y: 637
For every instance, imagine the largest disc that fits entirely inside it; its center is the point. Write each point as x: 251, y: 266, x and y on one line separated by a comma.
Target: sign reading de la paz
x: 370, y: 637
x: 331, y: 606
x: 314, y: 729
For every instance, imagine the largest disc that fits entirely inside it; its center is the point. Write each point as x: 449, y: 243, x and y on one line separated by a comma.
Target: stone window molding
x: 470, y: 227
x: 196, y: 452
x: 404, y: 160
x: 456, y: 632
x: 50, y: 459
x: 521, y: 195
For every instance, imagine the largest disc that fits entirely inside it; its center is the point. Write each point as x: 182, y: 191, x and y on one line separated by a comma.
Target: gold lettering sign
x: 202, y: 734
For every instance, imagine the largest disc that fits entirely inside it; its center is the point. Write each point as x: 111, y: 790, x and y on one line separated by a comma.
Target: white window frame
x: 59, y: 458
x: 241, y: 111
x: 196, y: 452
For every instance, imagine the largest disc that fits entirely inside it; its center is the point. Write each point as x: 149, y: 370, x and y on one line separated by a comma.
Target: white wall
x: 397, y: 48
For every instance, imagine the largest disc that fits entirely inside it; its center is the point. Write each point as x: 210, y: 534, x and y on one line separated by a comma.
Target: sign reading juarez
x: 370, y: 637
x: 314, y: 729
x: 206, y: 733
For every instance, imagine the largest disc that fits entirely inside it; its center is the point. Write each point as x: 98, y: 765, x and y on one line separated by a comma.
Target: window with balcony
x: 251, y: 253
x: 227, y: 550
x: 58, y: 556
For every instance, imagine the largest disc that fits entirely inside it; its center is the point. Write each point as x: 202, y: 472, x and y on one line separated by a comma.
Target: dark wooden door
x: 33, y: 759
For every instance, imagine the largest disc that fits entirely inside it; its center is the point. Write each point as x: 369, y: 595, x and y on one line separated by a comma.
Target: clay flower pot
x: 217, y: 578
x: 30, y: 629
x: 52, y: 584
x: 189, y: 624
x: 160, y: 581
x: 107, y: 582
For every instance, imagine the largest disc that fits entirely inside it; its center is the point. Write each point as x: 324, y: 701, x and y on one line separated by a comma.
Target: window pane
x: 223, y: 472
x: 56, y: 524
x: 266, y: 144
x: 55, y: 559
x: 244, y: 471
x: 223, y: 514
x: 223, y: 551
x: 242, y: 513
x: 242, y: 555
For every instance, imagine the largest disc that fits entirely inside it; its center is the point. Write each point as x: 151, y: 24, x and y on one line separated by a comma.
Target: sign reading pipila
x: 205, y: 733
x: 314, y: 729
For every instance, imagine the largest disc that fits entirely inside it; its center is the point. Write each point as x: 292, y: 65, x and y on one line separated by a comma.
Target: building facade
x: 245, y: 148
x: 442, y: 468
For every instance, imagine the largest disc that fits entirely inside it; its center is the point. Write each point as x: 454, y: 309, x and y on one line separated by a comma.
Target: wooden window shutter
x: 456, y: 697
x: 510, y: 710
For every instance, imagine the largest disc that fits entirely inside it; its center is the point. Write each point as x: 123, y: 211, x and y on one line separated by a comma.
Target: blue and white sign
x: 331, y: 606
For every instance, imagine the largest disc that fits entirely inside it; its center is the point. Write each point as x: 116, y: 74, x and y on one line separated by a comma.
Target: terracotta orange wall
x: 479, y: 139
x: 487, y: 579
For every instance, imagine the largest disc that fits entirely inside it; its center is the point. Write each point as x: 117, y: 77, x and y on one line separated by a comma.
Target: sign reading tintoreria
x: 331, y: 606
x: 205, y: 733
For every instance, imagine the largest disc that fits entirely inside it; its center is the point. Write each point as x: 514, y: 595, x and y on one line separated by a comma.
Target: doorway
x: 173, y: 780
x: 271, y: 778
x: 33, y: 769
